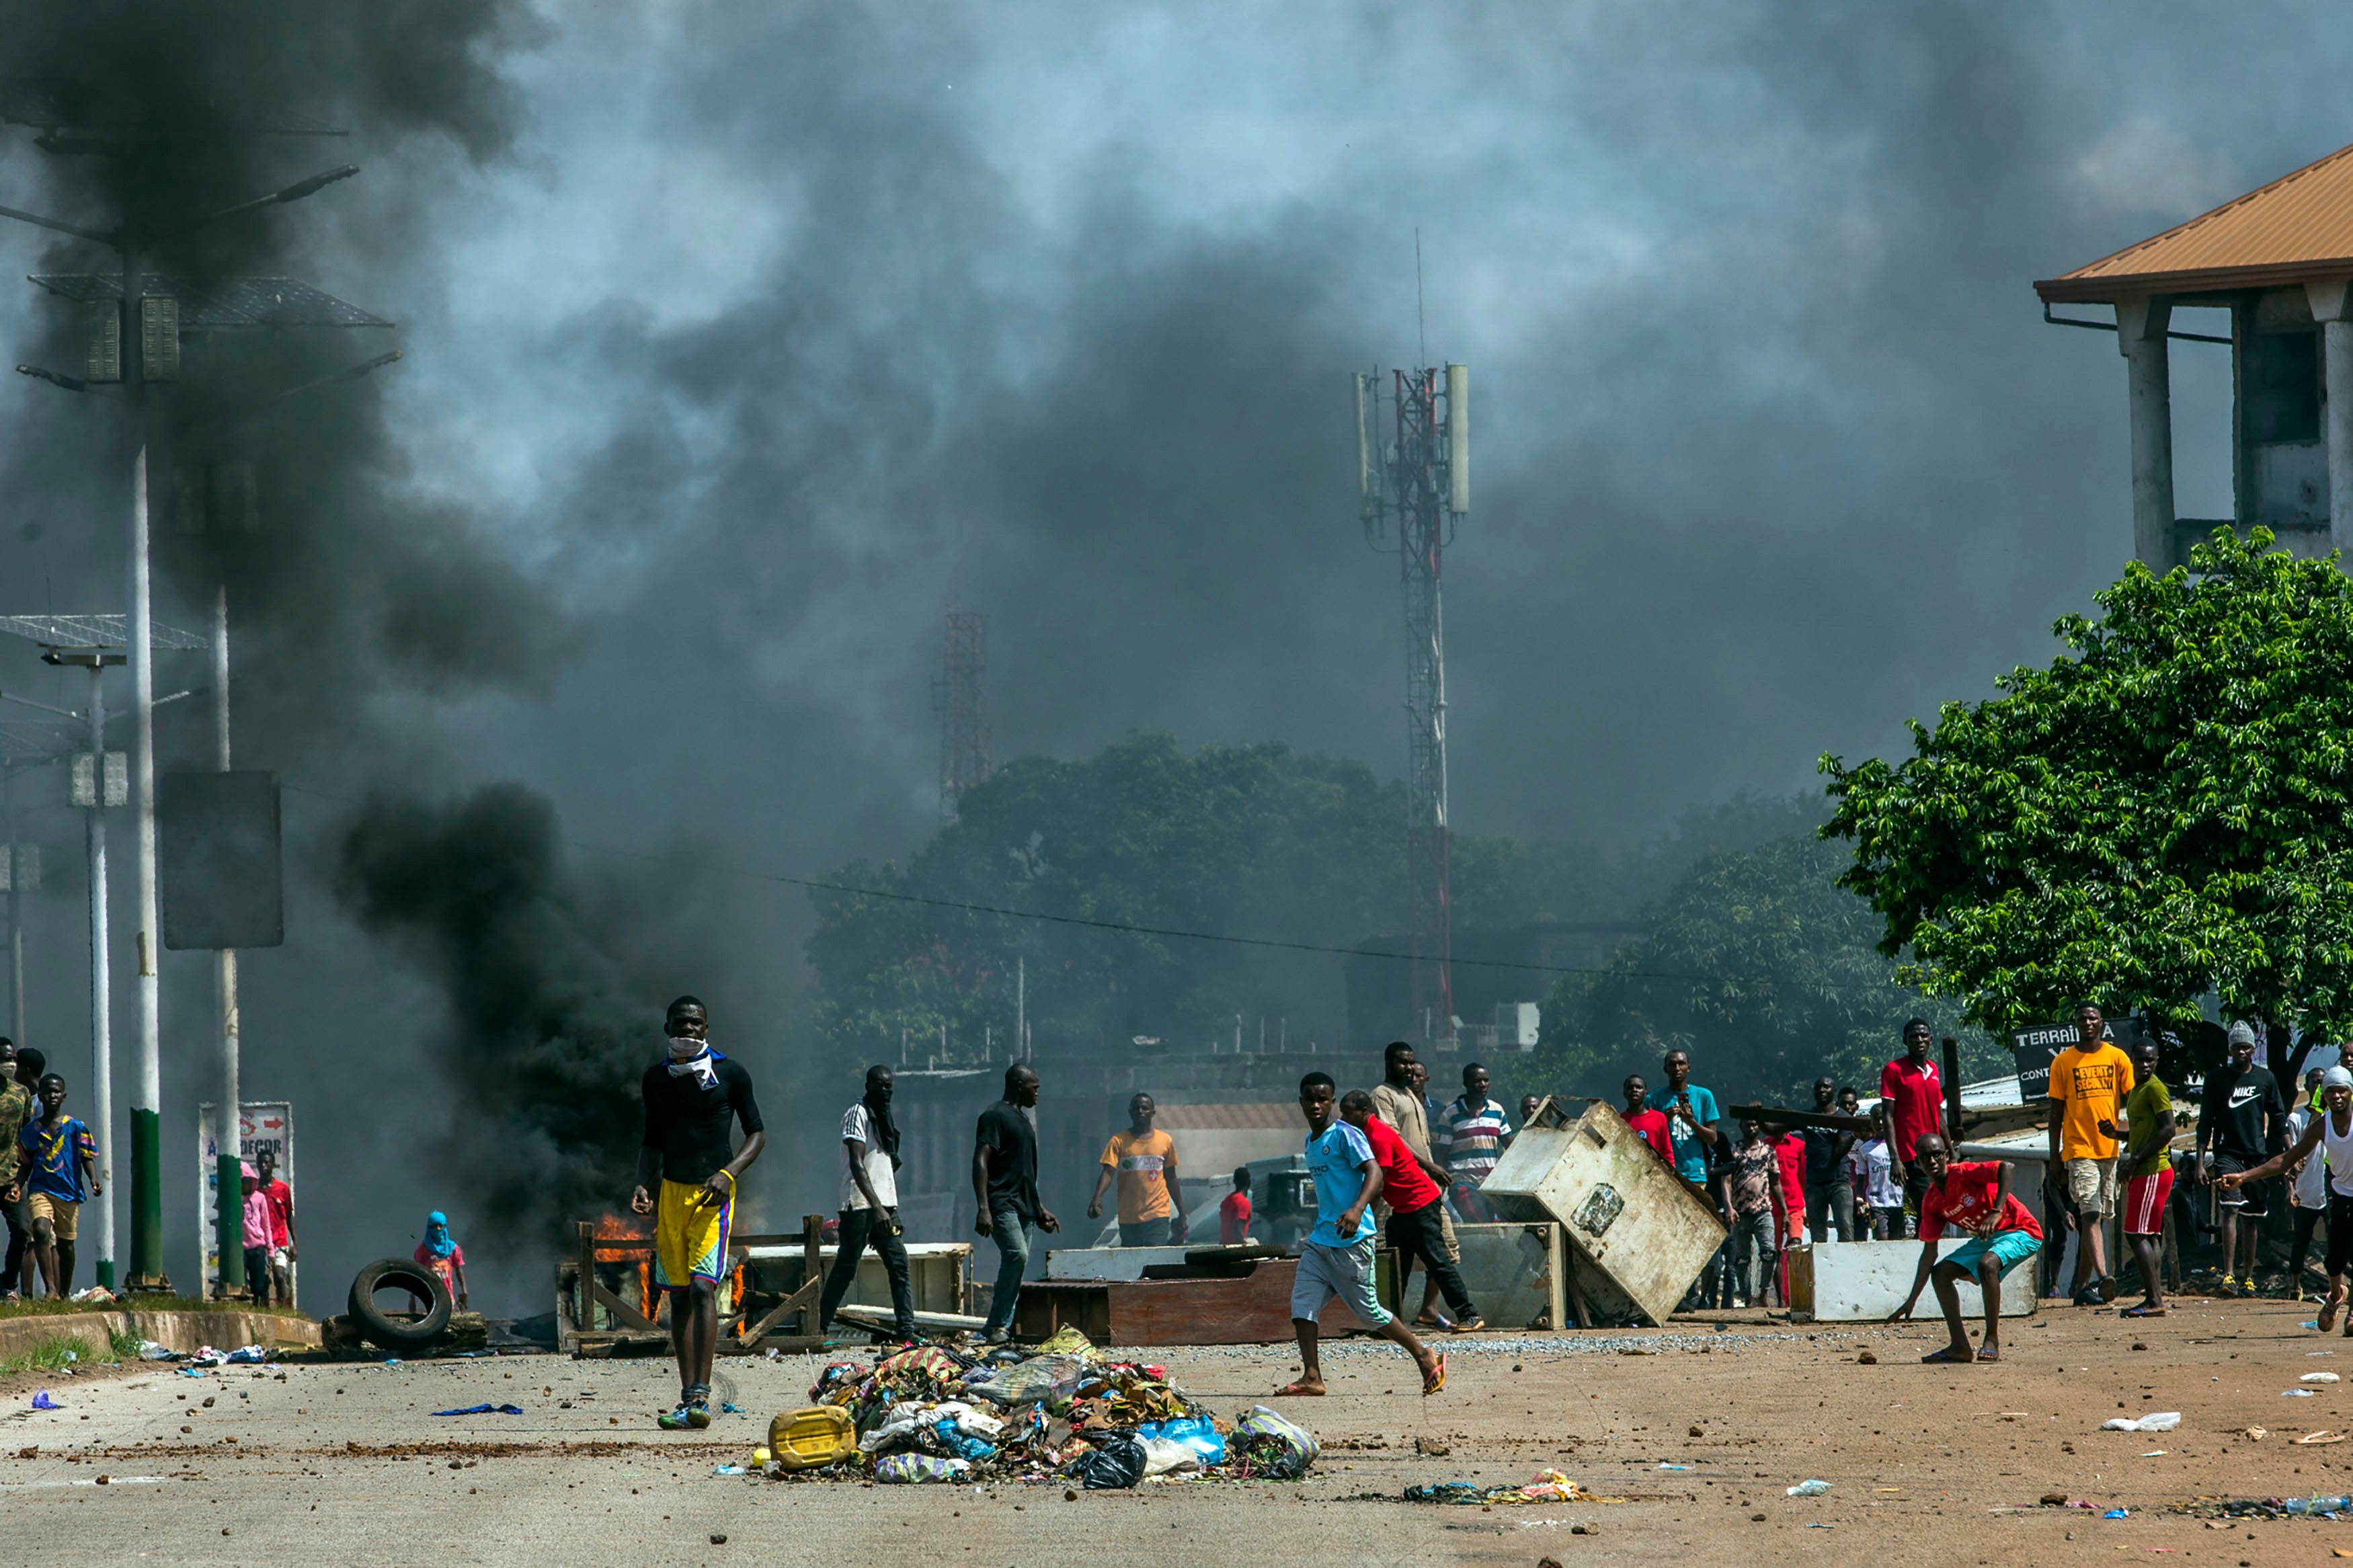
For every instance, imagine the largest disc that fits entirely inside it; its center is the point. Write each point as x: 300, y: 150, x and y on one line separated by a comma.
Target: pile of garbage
x: 1063, y: 1413
x: 1549, y: 1486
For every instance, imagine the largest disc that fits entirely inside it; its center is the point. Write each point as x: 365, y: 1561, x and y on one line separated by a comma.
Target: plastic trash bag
x: 1164, y: 1455
x: 912, y: 1469
x: 838, y: 1383
x: 1040, y: 1380
x: 959, y: 1443
x: 2158, y: 1421
x: 1116, y: 1461
x: 1807, y: 1488
x: 1067, y: 1340
x: 1272, y: 1447
x: 41, y: 1400
x: 1198, y: 1432
x: 150, y: 1350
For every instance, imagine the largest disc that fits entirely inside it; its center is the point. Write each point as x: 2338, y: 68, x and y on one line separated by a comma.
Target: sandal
x: 1989, y: 1354
x: 2328, y: 1314
x: 1435, y: 1378
x: 1960, y: 1358
x: 1298, y: 1390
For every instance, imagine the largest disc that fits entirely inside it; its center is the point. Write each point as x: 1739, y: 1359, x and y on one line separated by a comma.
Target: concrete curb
x: 177, y: 1331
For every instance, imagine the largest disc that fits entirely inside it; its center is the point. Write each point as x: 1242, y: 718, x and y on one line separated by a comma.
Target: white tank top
x: 2339, y: 1149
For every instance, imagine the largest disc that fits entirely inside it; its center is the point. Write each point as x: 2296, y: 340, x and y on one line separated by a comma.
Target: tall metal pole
x: 1422, y: 481
x: 1021, y: 1008
x: 229, y: 1217
x: 147, y: 1092
x: 101, y: 1001
x: 16, y: 911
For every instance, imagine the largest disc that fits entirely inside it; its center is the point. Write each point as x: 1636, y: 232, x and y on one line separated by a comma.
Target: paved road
x: 345, y: 1463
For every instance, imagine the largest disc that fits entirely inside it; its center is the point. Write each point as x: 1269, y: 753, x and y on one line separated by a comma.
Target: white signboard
x: 261, y: 1124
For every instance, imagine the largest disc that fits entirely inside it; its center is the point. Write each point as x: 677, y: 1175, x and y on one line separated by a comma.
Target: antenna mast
x: 1421, y: 477
x: 961, y: 696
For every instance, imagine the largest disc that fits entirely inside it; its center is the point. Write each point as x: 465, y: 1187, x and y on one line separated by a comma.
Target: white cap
x: 2336, y: 1078
x: 2243, y: 1034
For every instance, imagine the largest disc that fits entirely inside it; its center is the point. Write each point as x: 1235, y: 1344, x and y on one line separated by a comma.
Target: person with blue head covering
x: 441, y: 1253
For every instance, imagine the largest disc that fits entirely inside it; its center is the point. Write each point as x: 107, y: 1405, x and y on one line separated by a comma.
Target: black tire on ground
x: 393, y: 1333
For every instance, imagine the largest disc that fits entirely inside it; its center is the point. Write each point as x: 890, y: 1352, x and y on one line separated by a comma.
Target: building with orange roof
x: 2279, y: 259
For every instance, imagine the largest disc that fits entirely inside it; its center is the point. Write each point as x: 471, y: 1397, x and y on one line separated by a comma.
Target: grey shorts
x: 1343, y: 1271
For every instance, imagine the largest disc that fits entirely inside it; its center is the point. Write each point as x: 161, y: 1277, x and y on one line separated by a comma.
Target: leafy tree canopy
x: 1258, y: 841
x: 1761, y: 967
x: 2158, y: 815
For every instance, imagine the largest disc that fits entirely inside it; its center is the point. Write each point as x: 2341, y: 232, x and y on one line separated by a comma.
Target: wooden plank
x: 587, y: 1277
x: 789, y: 1344
x: 623, y: 1315
x: 883, y: 1318
x: 797, y: 1299
x: 812, y: 1242
x: 1252, y: 1309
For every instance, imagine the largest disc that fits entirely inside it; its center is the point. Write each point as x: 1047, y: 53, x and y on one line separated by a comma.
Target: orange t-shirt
x: 1145, y: 1166
x: 2090, y: 1087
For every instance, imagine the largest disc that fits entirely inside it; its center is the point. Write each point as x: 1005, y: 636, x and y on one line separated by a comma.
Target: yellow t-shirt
x: 2091, y: 1086
x: 1146, y: 1166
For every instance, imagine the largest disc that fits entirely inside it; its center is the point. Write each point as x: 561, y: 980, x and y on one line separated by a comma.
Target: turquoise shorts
x: 2010, y: 1248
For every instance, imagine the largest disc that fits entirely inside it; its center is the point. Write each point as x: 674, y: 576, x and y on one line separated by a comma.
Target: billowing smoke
x: 541, y: 1040
x: 349, y: 580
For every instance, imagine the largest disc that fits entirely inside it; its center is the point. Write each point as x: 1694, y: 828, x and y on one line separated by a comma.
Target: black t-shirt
x: 1012, y: 1145
x: 689, y: 1124
x: 2244, y: 1109
x: 1824, y: 1166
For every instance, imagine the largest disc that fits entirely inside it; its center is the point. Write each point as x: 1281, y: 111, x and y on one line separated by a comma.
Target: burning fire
x: 613, y: 1227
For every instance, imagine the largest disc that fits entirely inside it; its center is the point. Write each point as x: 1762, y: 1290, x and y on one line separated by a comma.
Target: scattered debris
x: 1549, y: 1486
x: 476, y: 1410
x: 2319, y: 1377
x: 2258, y: 1432
x: 1431, y: 1446
x: 2322, y: 1438
x: 41, y: 1400
x: 2156, y: 1421
x: 1866, y: 1359
x: 1809, y: 1488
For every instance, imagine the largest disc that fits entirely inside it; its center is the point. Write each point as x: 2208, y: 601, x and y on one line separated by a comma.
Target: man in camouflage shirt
x: 16, y: 1107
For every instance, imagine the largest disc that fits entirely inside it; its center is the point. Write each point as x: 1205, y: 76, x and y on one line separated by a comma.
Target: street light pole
x: 102, y: 992
x: 15, y: 909
x: 230, y: 1212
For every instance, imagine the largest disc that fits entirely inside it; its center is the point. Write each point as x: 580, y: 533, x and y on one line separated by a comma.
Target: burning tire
x: 400, y: 1333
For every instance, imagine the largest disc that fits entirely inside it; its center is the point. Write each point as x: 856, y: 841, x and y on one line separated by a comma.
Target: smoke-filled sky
x: 743, y: 339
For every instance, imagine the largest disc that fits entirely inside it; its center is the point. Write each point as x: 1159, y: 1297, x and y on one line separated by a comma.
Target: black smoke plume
x: 541, y: 1048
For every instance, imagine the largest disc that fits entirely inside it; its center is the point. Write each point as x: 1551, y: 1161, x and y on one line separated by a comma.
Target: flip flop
x: 2142, y: 1311
x: 1945, y: 1355
x: 1435, y: 1379
x: 1988, y: 1355
x: 1298, y: 1390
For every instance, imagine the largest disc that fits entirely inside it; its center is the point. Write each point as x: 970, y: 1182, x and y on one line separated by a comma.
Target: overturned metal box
x: 1637, y: 1237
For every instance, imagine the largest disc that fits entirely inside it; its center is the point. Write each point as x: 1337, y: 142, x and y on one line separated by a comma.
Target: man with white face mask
x: 691, y: 1099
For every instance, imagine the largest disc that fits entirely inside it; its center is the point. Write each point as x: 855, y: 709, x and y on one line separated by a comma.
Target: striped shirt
x: 1473, y: 1137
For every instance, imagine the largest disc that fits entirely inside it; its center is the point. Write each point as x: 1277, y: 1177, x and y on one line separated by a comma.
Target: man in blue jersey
x: 1336, y: 1257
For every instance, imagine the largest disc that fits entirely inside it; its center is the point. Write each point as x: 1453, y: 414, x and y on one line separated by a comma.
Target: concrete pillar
x: 2330, y: 303
x: 2140, y: 334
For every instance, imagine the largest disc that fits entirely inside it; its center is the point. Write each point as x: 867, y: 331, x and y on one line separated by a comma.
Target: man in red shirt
x: 1915, y: 1108
x: 1651, y: 1125
x: 1412, y: 1187
x: 1974, y: 1197
x: 1790, y: 1149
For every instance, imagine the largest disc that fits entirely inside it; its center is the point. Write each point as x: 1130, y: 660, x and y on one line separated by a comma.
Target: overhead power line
x: 1129, y: 928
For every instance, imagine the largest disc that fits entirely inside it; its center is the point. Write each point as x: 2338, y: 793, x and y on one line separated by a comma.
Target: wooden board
x: 1244, y: 1310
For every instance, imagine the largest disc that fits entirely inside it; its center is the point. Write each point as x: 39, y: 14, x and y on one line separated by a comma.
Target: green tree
x: 1256, y: 841
x: 1759, y: 966
x: 2160, y: 815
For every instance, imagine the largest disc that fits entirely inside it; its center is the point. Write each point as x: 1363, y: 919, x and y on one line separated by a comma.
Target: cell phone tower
x: 961, y: 697
x: 1419, y: 478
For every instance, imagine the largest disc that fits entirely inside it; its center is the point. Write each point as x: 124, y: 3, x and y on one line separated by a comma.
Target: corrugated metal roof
x: 2298, y: 228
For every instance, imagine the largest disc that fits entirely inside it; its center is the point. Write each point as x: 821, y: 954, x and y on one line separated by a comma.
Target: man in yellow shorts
x: 690, y: 1100
x: 60, y: 1171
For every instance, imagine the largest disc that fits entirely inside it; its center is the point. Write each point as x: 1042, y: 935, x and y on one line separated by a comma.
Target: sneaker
x: 996, y: 1336
x: 2107, y: 1289
x: 680, y: 1419
x: 2089, y: 1296
x: 1469, y: 1325
x: 2228, y: 1288
x: 697, y: 1414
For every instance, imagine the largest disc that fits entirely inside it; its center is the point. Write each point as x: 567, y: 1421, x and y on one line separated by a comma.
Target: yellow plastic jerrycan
x: 812, y: 1438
